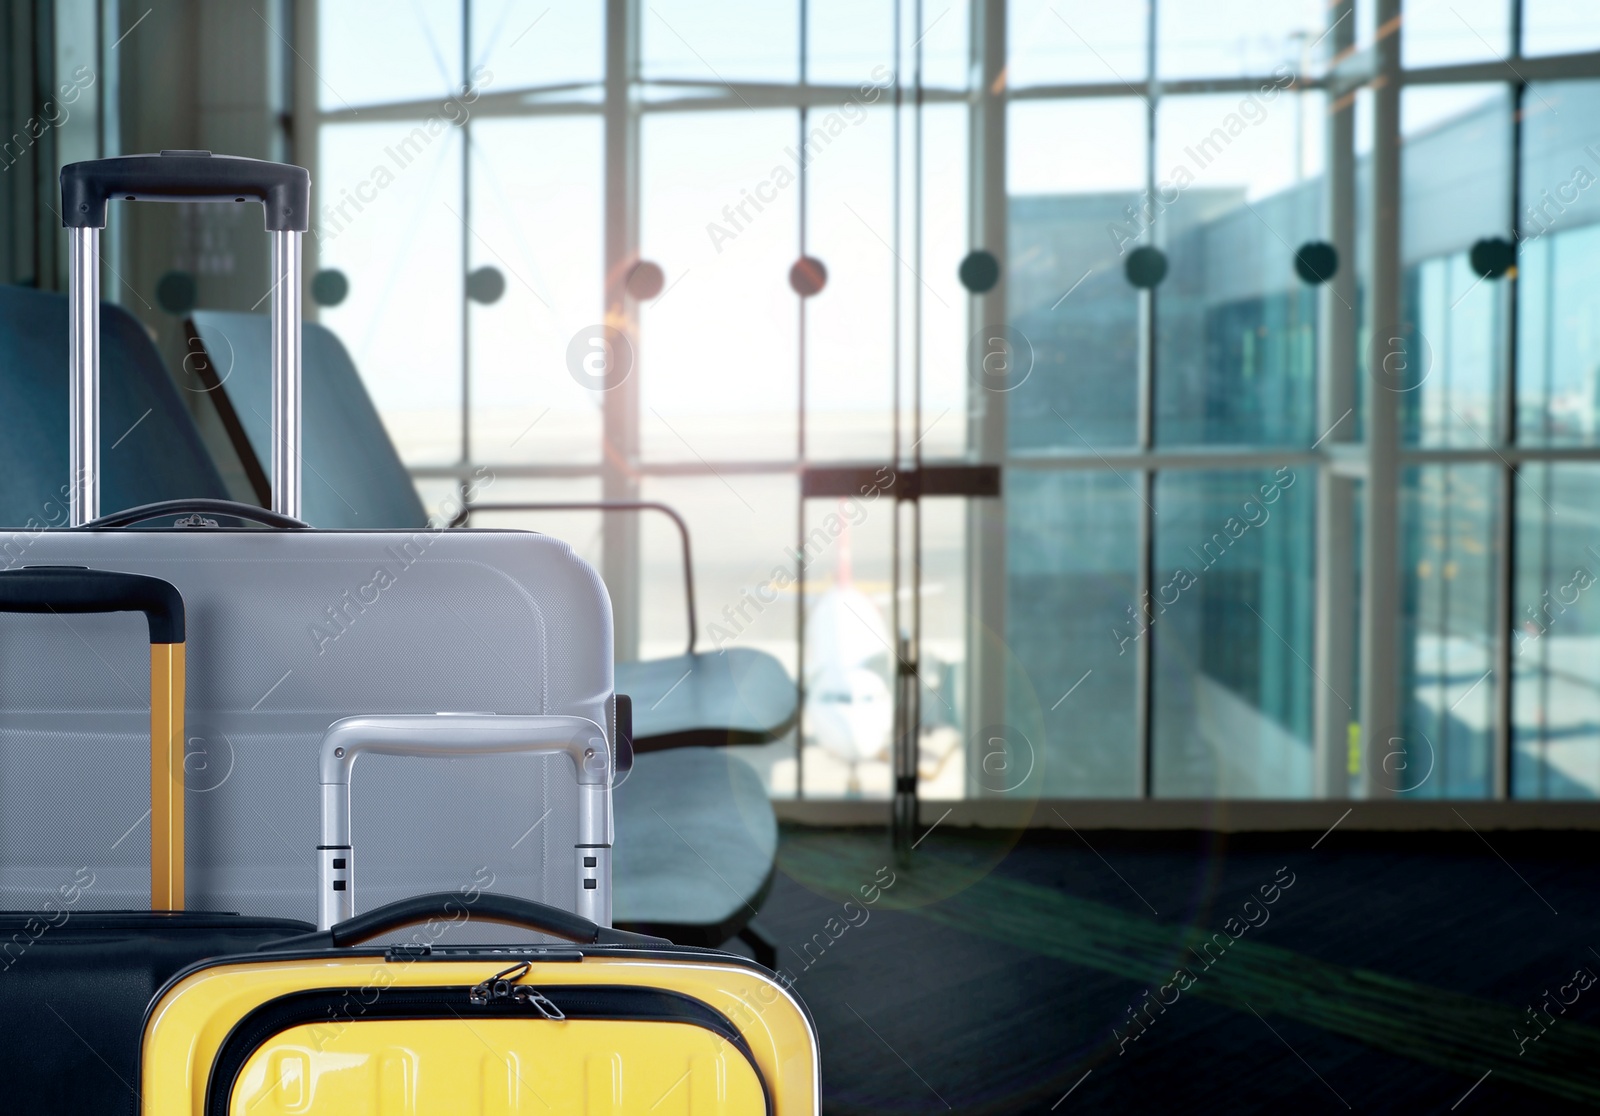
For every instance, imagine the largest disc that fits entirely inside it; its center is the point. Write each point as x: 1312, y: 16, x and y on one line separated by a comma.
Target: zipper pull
x: 541, y: 1003
x: 503, y: 988
x: 498, y: 987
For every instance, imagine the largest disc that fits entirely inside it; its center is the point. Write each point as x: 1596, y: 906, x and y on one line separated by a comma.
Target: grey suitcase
x: 291, y: 630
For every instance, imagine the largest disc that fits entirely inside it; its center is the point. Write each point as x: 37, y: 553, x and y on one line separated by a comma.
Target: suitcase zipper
x: 497, y: 996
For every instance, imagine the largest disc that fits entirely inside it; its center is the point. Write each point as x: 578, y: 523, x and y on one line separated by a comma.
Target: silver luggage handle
x: 465, y: 734
x: 284, y: 192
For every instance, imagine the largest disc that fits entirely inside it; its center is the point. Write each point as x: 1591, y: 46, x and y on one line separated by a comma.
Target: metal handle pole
x: 286, y: 373
x: 83, y: 269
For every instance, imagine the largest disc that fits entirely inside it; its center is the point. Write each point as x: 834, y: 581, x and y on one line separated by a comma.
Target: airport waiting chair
x: 706, y: 699
x: 699, y: 699
x: 693, y: 797
x: 696, y: 837
x: 353, y: 477
x: 709, y: 806
x: 150, y: 449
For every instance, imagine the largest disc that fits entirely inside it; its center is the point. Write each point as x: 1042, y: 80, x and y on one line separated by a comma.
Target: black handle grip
x: 283, y: 189
x: 455, y: 907
x: 624, y: 733
x: 80, y: 589
x: 196, y: 506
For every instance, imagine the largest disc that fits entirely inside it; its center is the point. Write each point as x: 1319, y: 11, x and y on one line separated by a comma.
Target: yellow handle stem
x: 166, y: 776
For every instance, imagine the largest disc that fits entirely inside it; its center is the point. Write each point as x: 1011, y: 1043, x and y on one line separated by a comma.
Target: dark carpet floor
x: 1118, y: 972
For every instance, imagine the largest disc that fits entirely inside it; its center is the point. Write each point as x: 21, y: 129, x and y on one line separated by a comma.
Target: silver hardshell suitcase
x: 292, y: 630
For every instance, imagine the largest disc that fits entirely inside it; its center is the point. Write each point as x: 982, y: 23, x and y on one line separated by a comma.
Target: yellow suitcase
x: 614, y: 1023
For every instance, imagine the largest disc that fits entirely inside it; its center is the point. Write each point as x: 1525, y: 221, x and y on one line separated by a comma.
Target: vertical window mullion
x: 800, y: 440
x: 1380, y: 605
x: 619, y: 560
x: 1335, y: 579
x: 988, y: 215
x: 1144, y: 690
x: 466, y: 253
x: 1501, y: 786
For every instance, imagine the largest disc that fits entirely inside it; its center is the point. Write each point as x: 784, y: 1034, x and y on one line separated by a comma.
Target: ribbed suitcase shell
x: 359, y: 1045
x: 290, y: 630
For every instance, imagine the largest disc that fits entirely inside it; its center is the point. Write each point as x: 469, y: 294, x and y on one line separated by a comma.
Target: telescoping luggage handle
x: 284, y: 191
x: 464, y: 734
x: 77, y: 589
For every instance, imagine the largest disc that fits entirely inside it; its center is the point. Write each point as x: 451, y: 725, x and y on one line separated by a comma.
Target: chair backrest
x: 354, y: 479
x: 150, y: 446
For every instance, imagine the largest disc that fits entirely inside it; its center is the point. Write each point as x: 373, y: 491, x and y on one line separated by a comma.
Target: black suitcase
x: 74, y: 981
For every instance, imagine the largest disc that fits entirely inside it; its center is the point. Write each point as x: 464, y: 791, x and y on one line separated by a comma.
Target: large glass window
x: 1076, y: 172
x: 1442, y: 31
x: 402, y: 250
x: 420, y: 59
x: 1072, y: 575
x: 1230, y: 620
x: 1236, y: 38
x: 1236, y: 328
x: 1189, y: 354
x: 1558, y: 27
x: 525, y: 405
x: 717, y: 353
x: 1448, y: 597
x: 1556, y: 627
x: 1558, y: 333
x: 720, y: 40
x: 1078, y: 41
